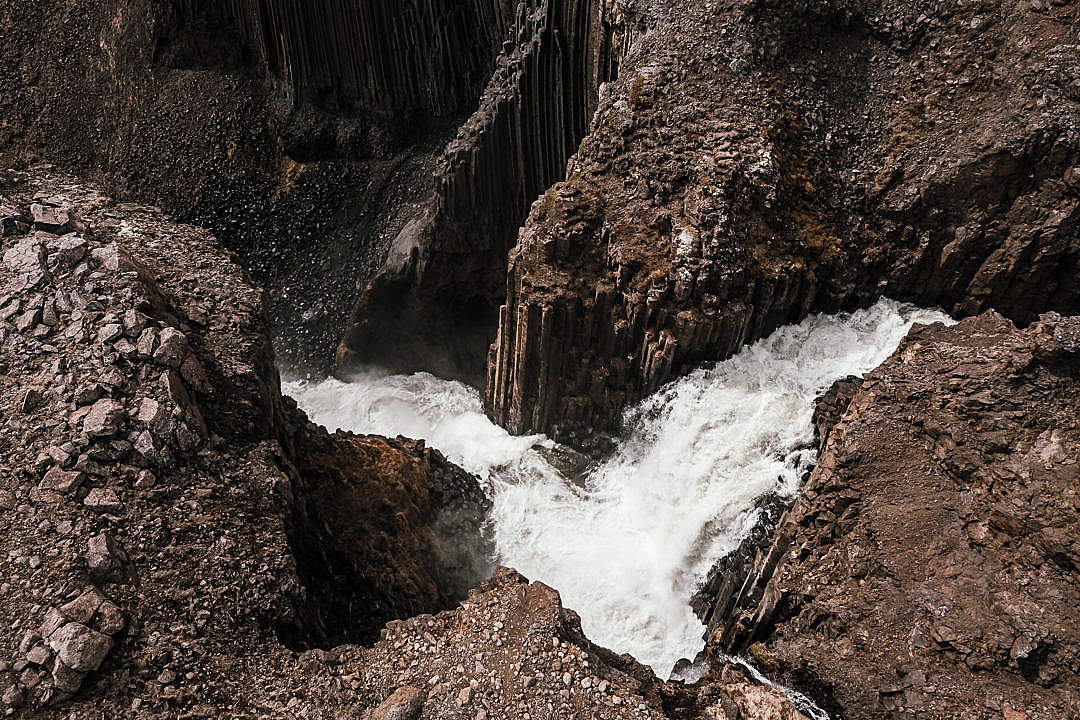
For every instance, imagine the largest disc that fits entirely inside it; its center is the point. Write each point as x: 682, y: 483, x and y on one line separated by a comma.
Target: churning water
x: 627, y: 541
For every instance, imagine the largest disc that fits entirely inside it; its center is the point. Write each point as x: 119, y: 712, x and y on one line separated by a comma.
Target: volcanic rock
x: 104, y: 418
x: 79, y: 647
x: 931, y: 563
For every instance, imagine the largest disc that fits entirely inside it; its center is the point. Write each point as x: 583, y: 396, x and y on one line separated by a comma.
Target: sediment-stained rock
x: 381, y: 529
x: 930, y: 566
x: 757, y: 161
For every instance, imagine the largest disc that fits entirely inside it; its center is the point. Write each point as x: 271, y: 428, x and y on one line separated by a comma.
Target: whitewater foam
x: 628, y: 546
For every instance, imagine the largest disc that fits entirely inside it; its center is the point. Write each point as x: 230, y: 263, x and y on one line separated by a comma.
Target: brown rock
x: 404, y: 704
x: 104, y: 418
x: 79, y: 647
x: 945, y: 469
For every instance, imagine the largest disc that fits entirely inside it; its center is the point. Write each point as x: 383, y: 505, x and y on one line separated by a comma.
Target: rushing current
x: 627, y: 540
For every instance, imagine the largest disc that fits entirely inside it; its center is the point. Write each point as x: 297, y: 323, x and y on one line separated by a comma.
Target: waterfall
x: 628, y: 539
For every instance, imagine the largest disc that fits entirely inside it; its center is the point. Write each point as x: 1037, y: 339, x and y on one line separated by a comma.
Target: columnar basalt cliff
x: 381, y: 56
x: 757, y: 161
x: 931, y: 565
x: 433, y: 305
x: 306, y: 137
x: 325, y: 144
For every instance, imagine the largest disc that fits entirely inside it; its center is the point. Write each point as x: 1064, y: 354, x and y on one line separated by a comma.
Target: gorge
x: 746, y: 331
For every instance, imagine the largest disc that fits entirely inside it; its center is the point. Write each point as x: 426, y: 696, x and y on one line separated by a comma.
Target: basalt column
x: 758, y: 162
x: 374, y: 55
x: 433, y: 306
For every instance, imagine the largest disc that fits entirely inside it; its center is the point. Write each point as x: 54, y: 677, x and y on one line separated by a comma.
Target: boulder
x: 79, y: 647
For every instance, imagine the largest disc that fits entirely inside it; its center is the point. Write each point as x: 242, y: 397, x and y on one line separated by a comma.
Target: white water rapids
x: 627, y: 541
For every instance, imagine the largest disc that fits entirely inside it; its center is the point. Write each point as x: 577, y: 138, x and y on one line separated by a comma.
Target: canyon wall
x: 433, y: 305
x: 386, y: 56
x: 305, y: 136
x: 931, y: 563
x: 758, y: 161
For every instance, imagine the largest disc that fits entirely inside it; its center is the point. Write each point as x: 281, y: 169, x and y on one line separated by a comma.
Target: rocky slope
x: 931, y: 566
x: 176, y: 535
x: 758, y: 160
x: 147, y: 454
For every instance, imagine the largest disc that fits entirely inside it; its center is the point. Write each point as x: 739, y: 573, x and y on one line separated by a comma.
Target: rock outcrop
x: 756, y: 161
x: 166, y: 518
x: 381, y: 529
x: 512, y: 649
x: 931, y: 566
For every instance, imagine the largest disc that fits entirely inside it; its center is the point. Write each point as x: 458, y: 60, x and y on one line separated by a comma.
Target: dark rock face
x: 164, y: 516
x: 757, y: 161
x: 930, y: 565
x: 387, y: 56
x: 377, y: 155
x: 434, y: 304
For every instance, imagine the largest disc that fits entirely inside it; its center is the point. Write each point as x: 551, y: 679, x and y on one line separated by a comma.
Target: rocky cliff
x: 756, y: 161
x: 930, y: 566
x: 379, y: 156
x: 418, y: 56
